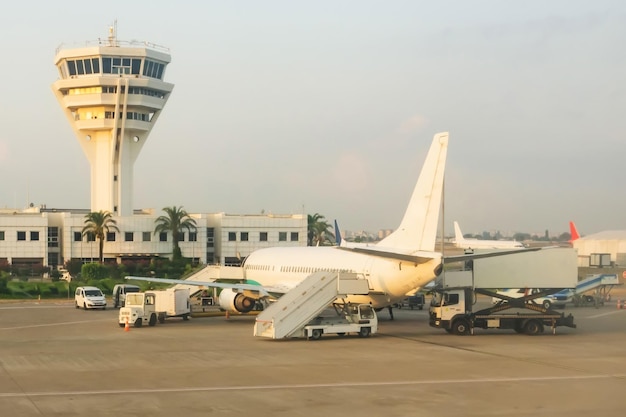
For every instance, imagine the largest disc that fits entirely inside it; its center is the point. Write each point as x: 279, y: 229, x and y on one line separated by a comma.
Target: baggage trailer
x: 548, y: 271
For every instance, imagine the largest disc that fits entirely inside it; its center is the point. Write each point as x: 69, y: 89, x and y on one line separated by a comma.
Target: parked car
x: 89, y: 297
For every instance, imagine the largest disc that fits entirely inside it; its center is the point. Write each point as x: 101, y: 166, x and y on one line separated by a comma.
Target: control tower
x: 112, y: 93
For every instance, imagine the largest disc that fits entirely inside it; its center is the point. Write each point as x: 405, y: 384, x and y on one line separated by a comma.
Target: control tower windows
x: 153, y: 69
x: 118, y: 65
x: 84, y: 66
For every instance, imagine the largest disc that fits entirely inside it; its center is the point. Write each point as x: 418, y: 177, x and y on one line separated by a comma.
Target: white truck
x: 152, y: 306
x: 549, y: 270
x: 359, y: 319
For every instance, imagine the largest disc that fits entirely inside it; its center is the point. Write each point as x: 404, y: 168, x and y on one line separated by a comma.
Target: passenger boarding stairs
x: 600, y: 284
x: 287, y: 316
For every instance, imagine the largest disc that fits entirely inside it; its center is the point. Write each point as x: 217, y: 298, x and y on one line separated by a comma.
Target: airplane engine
x: 233, y: 301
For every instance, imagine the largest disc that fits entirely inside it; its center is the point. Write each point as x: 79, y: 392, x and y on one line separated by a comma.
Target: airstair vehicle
x: 298, y: 308
x: 594, y: 290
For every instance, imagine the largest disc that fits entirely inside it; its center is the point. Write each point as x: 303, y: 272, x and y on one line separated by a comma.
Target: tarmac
x: 59, y: 361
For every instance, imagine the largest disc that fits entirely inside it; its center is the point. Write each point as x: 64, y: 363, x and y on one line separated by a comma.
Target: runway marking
x: 32, y: 326
x: 602, y: 315
x: 304, y: 386
x: 67, y: 305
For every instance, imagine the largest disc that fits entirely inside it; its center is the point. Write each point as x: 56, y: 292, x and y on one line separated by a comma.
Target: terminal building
x: 603, y: 249
x: 112, y: 93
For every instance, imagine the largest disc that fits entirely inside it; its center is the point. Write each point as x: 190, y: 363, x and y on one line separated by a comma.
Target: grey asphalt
x: 58, y: 361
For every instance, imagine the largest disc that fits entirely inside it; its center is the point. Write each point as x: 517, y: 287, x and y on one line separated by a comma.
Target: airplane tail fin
x: 458, y: 235
x: 418, y: 228
x: 573, y: 232
x: 338, y: 238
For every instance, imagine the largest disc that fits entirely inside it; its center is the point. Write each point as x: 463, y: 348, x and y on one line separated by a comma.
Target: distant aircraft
x: 401, y: 263
x: 573, y: 232
x: 464, y: 243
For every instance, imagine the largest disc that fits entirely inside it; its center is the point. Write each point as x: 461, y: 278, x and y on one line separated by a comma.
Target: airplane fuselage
x: 389, y: 280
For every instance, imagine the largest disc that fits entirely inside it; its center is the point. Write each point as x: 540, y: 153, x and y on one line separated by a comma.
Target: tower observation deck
x: 112, y: 93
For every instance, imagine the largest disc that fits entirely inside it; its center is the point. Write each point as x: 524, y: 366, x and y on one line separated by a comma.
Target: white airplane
x: 466, y: 243
x: 399, y: 264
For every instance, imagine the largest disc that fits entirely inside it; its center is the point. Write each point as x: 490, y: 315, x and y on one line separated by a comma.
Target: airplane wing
x: 250, y: 290
x: 390, y: 255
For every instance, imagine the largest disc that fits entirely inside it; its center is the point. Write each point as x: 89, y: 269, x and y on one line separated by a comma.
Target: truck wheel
x: 138, y: 322
x: 161, y: 318
x: 153, y: 320
x: 76, y: 304
x: 547, y: 304
x: 533, y: 327
x: 122, y: 324
x: 316, y: 334
x: 461, y: 327
x: 185, y: 316
x: 84, y: 306
x: 365, y: 332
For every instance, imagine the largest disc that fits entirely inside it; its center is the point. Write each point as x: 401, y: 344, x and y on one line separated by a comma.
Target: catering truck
x: 152, y: 306
x: 548, y: 271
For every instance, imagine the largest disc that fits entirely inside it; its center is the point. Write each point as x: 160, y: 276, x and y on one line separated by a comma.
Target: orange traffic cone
x: 126, y: 326
x: 227, y: 314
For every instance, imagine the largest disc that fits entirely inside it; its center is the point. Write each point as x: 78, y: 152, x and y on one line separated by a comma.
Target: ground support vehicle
x: 359, y: 319
x: 546, y: 271
x: 415, y: 301
x: 451, y: 309
x: 152, y: 306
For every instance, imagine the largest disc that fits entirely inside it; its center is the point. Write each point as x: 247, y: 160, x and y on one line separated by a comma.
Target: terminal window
x: 1, y: 234
x: 78, y: 237
x: 21, y: 235
x: 244, y: 236
x: 282, y: 236
x: 110, y: 236
x: 162, y: 237
x: 146, y: 236
x: 263, y: 236
x: 193, y: 236
x: 232, y: 236
x: 34, y: 235
x: 294, y: 236
x: 128, y: 236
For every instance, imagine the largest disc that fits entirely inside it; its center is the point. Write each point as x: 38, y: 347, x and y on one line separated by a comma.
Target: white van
x: 120, y: 291
x: 89, y: 297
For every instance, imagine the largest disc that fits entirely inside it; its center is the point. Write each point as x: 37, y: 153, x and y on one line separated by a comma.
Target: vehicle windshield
x: 367, y: 312
x: 131, y: 289
x: 93, y: 293
x: 446, y: 299
x: 134, y: 300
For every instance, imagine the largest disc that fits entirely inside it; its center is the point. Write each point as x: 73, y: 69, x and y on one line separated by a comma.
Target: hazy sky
x: 330, y: 107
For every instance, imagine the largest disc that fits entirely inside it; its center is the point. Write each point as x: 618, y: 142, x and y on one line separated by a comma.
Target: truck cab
x: 139, y: 309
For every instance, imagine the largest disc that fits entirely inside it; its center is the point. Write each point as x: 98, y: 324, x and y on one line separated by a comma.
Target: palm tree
x: 176, y: 221
x: 318, y: 233
x: 98, y: 224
